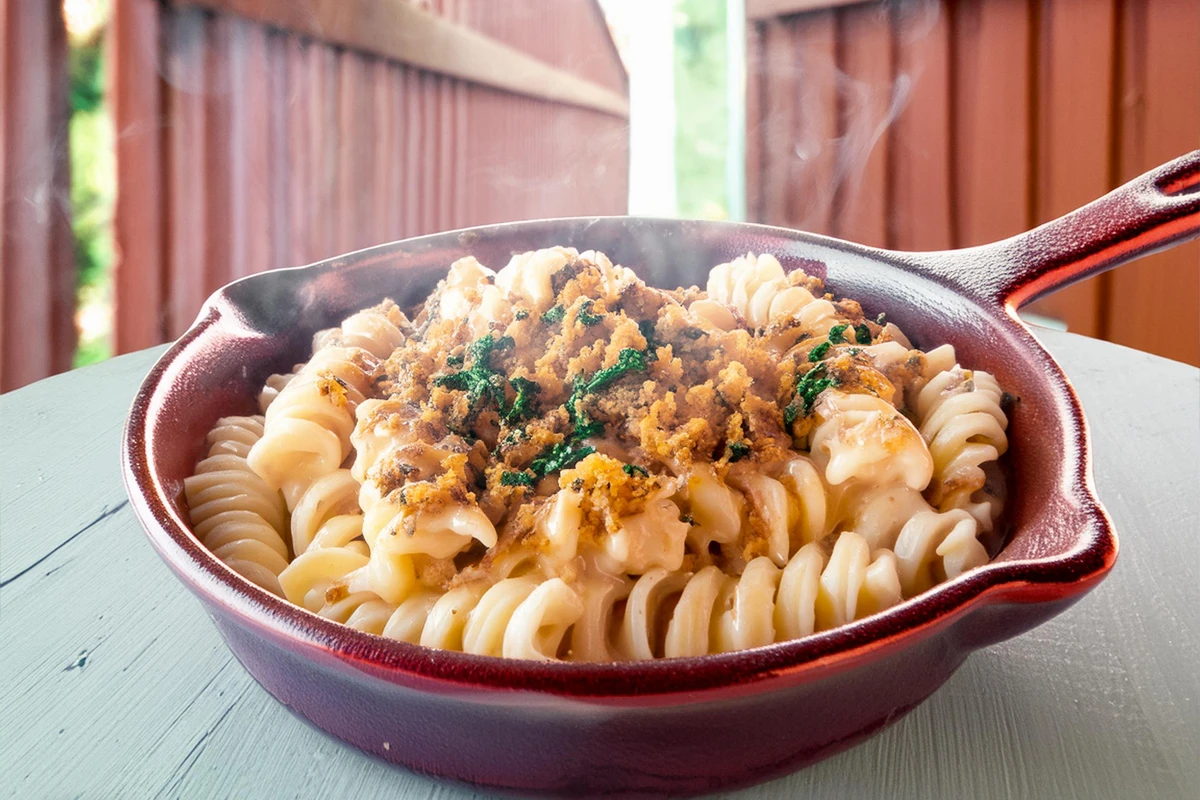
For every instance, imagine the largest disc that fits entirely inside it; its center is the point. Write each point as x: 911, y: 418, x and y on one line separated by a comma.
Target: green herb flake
x: 634, y: 469
x: 455, y: 361
x: 522, y: 407
x: 688, y: 518
x: 558, y: 457
x: 628, y: 361
x: 819, y: 352
x: 835, y: 333
x: 522, y: 313
x: 808, y: 387
x: 737, y: 451
x: 483, y: 385
x: 586, y: 317
x: 693, y: 333
x: 554, y: 315
x: 508, y: 478
x: 862, y: 334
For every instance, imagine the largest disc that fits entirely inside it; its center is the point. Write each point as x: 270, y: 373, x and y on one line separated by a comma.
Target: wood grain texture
x: 1076, y: 62
x: 279, y: 150
x: 812, y: 165
x: 404, y: 32
x: 37, y: 257
x: 187, y: 205
x: 135, y: 92
x: 866, y: 110
x: 135, y: 684
x: 756, y: 115
x: 992, y: 115
x: 1155, y: 303
x: 765, y: 9
x: 921, y: 211
x: 779, y: 74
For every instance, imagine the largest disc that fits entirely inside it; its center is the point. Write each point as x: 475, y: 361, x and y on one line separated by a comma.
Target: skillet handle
x: 1155, y: 211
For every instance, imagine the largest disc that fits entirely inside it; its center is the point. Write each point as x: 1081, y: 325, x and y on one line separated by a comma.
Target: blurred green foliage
x: 93, y: 179
x: 701, y: 137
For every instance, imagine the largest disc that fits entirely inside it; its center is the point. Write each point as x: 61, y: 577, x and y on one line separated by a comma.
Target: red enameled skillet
x: 677, y: 726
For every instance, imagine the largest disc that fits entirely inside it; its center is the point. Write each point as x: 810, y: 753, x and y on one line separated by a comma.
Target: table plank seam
x: 173, y: 784
x: 105, y: 514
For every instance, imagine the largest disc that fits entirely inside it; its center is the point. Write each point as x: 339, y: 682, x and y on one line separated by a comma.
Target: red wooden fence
x: 271, y: 137
x: 1007, y: 113
x: 37, y: 260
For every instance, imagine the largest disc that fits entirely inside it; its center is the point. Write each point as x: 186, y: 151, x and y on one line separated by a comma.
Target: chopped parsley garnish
x: 586, y: 317
x: 455, y: 361
x: 862, y: 334
x: 688, y: 518
x: 628, y: 360
x: 808, y: 387
x: 554, y: 315
x: 563, y: 455
x: 522, y: 313
x: 509, y: 478
x: 634, y: 469
x: 571, y: 450
x: 835, y: 333
x: 522, y: 405
x: 483, y: 384
x: 737, y: 451
x: 819, y: 352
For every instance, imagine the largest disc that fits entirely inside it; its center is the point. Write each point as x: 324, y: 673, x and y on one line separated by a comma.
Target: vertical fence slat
x: 135, y: 90
x: 299, y: 149
x: 349, y: 190
x: 37, y: 267
x: 379, y: 141
x: 412, y: 157
x: 279, y: 94
x: 920, y: 191
x: 777, y: 129
x: 1074, y: 132
x: 992, y: 119
x: 256, y: 113
x: 447, y: 151
x: 186, y: 158
x: 755, y: 116
x: 327, y: 213
x: 224, y: 231
x: 865, y: 41
x: 429, y: 159
x: 812, y: 164
x: 397, y: 147
x: 1155, y: 303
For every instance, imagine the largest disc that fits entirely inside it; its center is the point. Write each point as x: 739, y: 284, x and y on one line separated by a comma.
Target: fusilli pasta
x: 556, y: 461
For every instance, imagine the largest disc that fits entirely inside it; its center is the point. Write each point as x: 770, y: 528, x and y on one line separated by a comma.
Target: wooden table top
x: 115, y: 685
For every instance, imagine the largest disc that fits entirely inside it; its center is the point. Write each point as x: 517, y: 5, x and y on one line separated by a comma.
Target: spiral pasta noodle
x: 557, y: 461
x: 234, y: 513
x: 960, y: 417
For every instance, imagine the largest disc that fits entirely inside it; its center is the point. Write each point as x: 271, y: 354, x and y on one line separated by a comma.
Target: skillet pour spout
x: 676, y: 726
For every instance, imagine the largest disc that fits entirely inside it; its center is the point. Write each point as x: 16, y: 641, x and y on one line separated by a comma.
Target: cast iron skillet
x: 685, y: 725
